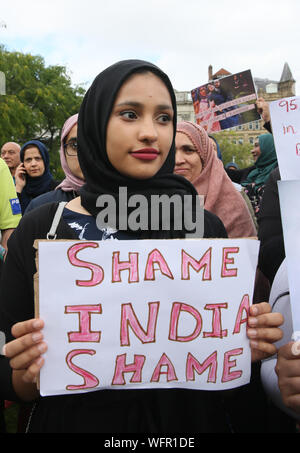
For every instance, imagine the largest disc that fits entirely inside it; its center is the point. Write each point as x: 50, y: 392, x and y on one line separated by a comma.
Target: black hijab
x: 100, y: 176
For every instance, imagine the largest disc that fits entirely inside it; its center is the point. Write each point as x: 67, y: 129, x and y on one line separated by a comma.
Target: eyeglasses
x: 71, y: 148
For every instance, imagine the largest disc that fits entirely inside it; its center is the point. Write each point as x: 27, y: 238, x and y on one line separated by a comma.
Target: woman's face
x: 140, y: 128
x: 33, y: 162
x: 71, y: 153
x: 256, y: 151
x: 188, y: 161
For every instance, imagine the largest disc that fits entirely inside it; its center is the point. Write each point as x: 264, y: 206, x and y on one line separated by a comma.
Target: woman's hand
x: 263, y: 330
x: 20, y: 178
x: 288, y: 372
x: 263, y: 109
x: 25, y: 352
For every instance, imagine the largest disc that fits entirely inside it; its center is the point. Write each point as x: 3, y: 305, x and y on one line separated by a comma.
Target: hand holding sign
x: 197, y: 335
x: 26, y: 352
x: 263, y: 331
x: 288, y: 370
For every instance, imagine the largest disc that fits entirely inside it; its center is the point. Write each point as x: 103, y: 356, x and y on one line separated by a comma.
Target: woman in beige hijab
x: 197, y: 161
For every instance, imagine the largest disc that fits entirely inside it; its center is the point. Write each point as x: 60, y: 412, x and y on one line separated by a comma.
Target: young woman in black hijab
x: 128, y: 115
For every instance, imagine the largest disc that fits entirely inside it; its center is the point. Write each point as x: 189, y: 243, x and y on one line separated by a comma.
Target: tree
x: 234, y: 152
x: 38, y: 100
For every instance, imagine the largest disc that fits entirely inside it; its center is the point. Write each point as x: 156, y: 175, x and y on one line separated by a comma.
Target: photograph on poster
x: 225, y: 103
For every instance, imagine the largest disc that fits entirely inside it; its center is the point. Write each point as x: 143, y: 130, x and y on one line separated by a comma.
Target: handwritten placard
x: 145, y: 314
x: 285, y: 118
x: 290, y: 216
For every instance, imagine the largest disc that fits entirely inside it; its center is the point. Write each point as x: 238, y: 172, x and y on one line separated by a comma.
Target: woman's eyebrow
x: 139, y: 104
x: 189, y: 147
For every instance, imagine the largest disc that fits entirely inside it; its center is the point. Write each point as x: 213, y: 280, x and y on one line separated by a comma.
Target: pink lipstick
x: 145, y: 154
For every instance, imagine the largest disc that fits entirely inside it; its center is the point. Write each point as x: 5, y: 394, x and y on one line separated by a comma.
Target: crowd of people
x: 126, y: 135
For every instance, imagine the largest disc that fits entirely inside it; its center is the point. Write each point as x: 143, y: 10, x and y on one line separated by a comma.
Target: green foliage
x: 38, y: 101
x: 234, y: 152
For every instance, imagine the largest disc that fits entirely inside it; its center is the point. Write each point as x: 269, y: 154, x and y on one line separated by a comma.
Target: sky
x: 182, y: 37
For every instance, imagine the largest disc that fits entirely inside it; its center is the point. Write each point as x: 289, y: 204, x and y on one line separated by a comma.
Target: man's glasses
x: 71, y: 148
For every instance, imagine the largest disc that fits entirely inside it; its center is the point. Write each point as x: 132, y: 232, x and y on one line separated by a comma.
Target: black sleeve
x: 268, y: 127
x: 238, y: 176
x: 269, y: 218
x: 16, y: 298
x: 6, y: 389
x: 270, y: 231
x: 16, y: 286
x: 234, y: 175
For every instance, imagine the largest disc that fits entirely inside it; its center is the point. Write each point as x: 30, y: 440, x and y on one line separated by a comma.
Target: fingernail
x: 252, y: 321
x: 36, y: 336
x: 42, y: 347
x: 254, y: 310
x: 37, y: 324
x: 254, y: 344
x: 39, y: 361
x: 252, y: 332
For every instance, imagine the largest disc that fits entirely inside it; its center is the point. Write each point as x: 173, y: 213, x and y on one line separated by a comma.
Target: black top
x: 51, y: 197
x: 118, y: 411
x: 106, y: 410
x: 26, y: 198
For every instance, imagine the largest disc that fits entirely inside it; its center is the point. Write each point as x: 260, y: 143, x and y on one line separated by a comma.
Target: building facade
x: 270, y: 90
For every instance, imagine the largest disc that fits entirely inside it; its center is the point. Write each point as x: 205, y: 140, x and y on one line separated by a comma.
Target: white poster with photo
x: 285, y: 119
x: 225, y: 103
x: 145, y: 314
x: 290, y: 215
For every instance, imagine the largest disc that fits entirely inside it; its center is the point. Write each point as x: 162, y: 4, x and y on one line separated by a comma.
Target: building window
x: 251, y: 140
x: 241, y: 141
x: 185, y: 117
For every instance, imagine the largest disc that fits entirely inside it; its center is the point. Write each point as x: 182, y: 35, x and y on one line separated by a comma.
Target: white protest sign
x: 290, y: 216
x: 145, y: 314
x: 285, y: 118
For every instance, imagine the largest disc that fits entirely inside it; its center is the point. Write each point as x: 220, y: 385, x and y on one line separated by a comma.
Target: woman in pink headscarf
x: 69, y: 187
x: 197, y: 161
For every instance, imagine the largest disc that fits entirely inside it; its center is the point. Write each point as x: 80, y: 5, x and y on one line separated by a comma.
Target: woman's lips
x: 145, y: 154
x: 180, y: 170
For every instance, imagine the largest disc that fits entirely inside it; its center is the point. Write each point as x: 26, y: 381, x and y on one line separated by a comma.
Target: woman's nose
x: 179, y: 158
x: 148, y: 131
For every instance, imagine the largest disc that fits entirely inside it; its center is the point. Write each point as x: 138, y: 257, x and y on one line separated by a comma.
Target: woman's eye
x: 164, y: 118
x: 129, y: 115
x: 190, y: 150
